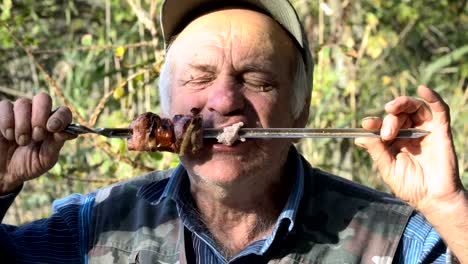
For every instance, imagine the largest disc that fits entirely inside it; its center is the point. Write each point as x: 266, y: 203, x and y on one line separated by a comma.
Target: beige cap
x: 176, y: 14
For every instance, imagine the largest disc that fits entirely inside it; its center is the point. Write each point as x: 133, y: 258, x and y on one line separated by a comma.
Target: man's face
x: 234, y: 65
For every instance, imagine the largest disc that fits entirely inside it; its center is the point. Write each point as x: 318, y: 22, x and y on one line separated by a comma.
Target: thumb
x: 440, y: 109
x: 379, y: 150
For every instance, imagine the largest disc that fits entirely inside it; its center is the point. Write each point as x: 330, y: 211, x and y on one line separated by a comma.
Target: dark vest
x: 338, y: 222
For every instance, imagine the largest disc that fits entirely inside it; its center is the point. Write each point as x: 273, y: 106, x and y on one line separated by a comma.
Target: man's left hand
x: 424, y: 171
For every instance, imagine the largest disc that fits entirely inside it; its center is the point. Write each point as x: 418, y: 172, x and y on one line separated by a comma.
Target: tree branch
x: 93, y: 47
x: 144, y: 18
x: 14, y: 92
x: 48, y: 78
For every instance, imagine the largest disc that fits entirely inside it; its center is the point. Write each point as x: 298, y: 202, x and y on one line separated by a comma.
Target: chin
x: 221, y: 169
x: 224, y: 166
x: 219, y: 174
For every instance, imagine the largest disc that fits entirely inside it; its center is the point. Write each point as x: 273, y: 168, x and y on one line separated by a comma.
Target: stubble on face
x: 213, y: 53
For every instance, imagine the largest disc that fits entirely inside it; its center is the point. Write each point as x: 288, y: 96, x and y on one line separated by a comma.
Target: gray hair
x: 302, y: 84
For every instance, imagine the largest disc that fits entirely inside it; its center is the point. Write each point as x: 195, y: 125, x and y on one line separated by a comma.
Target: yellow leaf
x: 118, y: 92
x: 386, y: 80
x: 350, y: 87
x: 403, y: 81
x: 382, y: 41
x: 374, y: 52
x: 372, y: 19
x: 119, y: 52
x: 349, y: 42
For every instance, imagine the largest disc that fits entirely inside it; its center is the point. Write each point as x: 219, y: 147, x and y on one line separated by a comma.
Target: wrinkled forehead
x: 218, y: 6
x: 243, y: 31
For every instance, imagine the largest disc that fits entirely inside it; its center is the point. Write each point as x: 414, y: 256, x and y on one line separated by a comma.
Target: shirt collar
x: 291, y: 207
x: 289, y: 212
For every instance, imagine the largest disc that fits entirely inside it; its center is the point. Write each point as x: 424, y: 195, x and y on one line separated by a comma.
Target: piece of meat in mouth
x: 230, y: 134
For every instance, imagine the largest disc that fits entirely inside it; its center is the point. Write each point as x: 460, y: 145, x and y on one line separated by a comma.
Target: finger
x: 41, y: 107
x: 59, y: 120
x: 419, y: 111
x: 440, y: 109
x: 7, y: 120
x: 375, y: 123
x: 392, y: 124
x: 371, y: 123
x: 407, y: 124
x: 380, y: 152
x: 22, y: 111
x: 377, y: 149
x: 4, y: 146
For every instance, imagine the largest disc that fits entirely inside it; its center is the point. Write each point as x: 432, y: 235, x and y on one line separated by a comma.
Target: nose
x: 226, y: 97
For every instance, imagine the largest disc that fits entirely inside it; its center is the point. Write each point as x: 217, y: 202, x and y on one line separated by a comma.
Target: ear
x: 303, y: 118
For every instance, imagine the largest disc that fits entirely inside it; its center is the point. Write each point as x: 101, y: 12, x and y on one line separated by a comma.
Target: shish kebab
x: 183, y: 133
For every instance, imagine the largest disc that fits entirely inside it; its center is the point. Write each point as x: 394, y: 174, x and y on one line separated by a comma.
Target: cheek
x: 273, y: 111
x: 182, y: 103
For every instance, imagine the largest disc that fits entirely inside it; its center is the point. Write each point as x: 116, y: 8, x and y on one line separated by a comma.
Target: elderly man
x: 256, y: 201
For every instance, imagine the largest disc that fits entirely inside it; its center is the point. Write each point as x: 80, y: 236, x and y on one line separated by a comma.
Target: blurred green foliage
x: 105, y: 57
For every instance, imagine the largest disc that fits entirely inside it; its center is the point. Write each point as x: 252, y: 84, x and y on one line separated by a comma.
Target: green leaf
x: 87, y: 40
x: 139, y: 77
x: 372, y: 19
x: 6, y: 10
x: 443, y: 62
x: 464, y: 70
x: 122, y: 147
x: 156, y: 155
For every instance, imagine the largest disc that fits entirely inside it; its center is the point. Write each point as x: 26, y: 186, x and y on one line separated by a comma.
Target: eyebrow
x: 255, y: 68
x: 202, y: 67
x: 243, y: 68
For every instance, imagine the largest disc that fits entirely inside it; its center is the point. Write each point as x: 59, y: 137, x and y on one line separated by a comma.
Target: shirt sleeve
x: 6, y: 201
x: 421, y: 243
x: 61, y: 238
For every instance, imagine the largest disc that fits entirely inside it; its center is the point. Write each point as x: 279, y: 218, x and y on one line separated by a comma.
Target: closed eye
x: 257, y: 82
x: 196, y: 81
x: 258, y: 87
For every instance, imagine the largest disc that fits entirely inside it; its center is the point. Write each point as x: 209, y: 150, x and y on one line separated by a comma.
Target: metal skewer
x: 77, y: 129
x: 261, y: 132
x: 314, y: 133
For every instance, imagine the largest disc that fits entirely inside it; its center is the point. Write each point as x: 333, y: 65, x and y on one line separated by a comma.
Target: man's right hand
x: 31, y: 137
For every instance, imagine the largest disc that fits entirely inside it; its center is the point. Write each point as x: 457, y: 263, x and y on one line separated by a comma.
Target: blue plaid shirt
x: 62, y: 238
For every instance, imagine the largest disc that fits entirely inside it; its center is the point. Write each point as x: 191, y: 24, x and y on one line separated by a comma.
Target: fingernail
x: 359, y: 144
x: 23, y: 140
x: 10, y: 134
x: 369, y: 118
x: 390, y: 103
x: 38, y: 133
x: 54, y: 124
x: 385, y: 132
